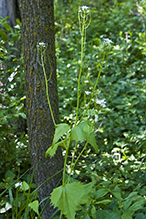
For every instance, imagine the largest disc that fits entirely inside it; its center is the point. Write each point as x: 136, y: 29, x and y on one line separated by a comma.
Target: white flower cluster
x: 107, y: 41
x: 84, y: 9
x: 41, y: 44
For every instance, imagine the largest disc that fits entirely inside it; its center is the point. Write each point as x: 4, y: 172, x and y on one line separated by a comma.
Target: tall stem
x: 47, y: 92
x: 65, y: 162
x: 93, y: 88
x: 80, y: 73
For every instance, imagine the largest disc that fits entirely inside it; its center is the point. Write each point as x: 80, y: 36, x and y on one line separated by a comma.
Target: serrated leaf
x: 84, y: 131
x: 78, y: 134
x: 67, y: 198
x: 60, y: 130
x: 24, y: 186
x: 34, y: 206
x: 52, y: 150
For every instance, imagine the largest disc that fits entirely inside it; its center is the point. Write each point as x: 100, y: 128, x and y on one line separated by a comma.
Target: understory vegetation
x: 106, y: 159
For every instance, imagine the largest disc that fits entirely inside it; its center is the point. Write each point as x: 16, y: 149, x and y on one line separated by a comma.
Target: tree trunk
x: 38, y: 26
x: 8, y: 8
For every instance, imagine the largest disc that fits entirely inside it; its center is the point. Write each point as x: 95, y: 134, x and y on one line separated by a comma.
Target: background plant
x: 120, y: 97
x: 14, y: 158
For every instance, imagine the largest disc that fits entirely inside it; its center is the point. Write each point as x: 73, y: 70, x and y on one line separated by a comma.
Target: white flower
x: 84, y: 9
x: 18, y: 184
x: 68, y: 65
x: 101, y: 102
x: 107, y: 41
x: 87, y: 92
x: 41, y: 44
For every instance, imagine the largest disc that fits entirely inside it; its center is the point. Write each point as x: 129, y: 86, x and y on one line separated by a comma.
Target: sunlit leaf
x: 34, y: 206
x: 24, y: 186
x: 60, y: 130
x: 52, y: 150
x: 68, y: 197
x: 84, y: 131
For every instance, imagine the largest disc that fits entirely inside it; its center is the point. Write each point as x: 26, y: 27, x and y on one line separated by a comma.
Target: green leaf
x: 140, y: 216
x: 131, y: 197
x: 117, y: 193
x: 132, y: 194
x: 52, y: 150
x: 107, y: 214
x: 23, y: 115
x: 3, y: 35
x: 87, y: 216
x: 105, y: 202
x: 6, y: 26
x: 126, y: 204
x: 92, y: 141
x: 11, y: 196
x: 101, y: 192
x: 24, y: 186
x: 68, y: 198
x: 78, y: 134
x: 9, y: 175
x: 136, y: 206
x: 34, y: 206
x: 60, y: 130
x: 126, y: 215
x: 84, y: 131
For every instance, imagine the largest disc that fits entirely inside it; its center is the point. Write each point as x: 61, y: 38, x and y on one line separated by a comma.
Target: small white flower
x: 101, y: 102
x: 68, y: 65
x: 96, y: 118
x: 41, y: 44
x: 18, y: 184
x: 87, y: 92
x: 84, y: 9
x: 107, y: 41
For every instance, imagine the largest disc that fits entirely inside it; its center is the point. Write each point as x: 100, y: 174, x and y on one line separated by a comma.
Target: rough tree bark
x: 38, y: 26
x: 10, y: 8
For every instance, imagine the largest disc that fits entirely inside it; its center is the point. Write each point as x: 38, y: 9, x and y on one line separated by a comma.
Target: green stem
x: 47, y: 92
x: 72, y: 164
x: 65, y: 162
x: 81, y: 152
x: 79, y: 79
x: 94, y: 87
x: 61, y: 215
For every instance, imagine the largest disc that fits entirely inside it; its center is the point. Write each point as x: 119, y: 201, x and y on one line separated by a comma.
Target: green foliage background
x: 117, y: 30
